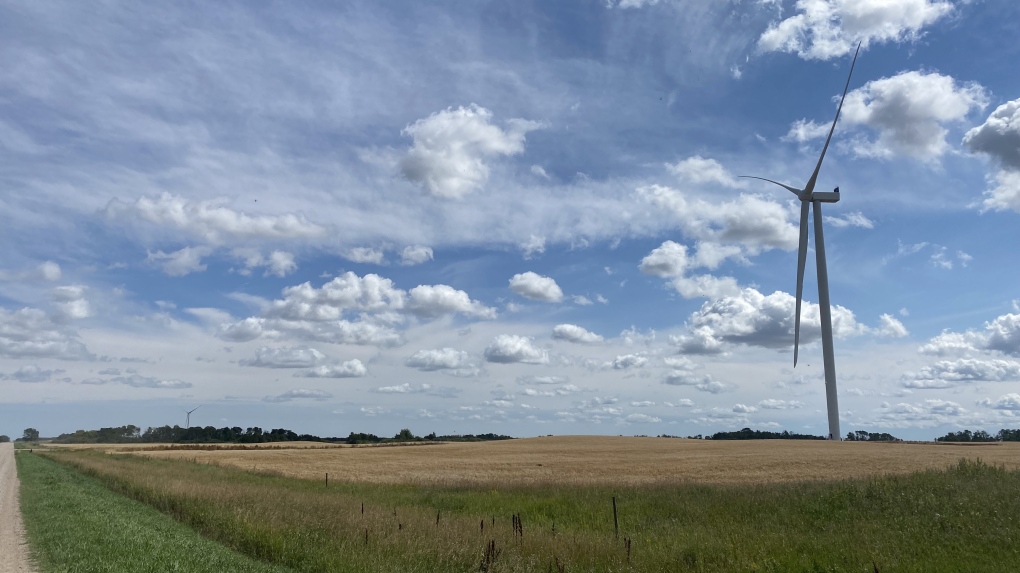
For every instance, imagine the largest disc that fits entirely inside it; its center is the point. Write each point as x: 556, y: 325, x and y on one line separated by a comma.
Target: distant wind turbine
x: 188, y: 423
x: 808, y: 197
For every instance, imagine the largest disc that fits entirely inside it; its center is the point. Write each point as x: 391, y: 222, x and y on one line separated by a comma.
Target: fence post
x: 616, y: 521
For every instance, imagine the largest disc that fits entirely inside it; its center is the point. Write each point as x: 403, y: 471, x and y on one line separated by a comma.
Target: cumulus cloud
x: 346, y: 369
x: 278, y: 263
x: 286, y: 357
x: 758, y: 320
x: 950, y: 373
x: 702, y: 382
x: 700, y: 170
x: 1000, y: 335
x: 70, y: 302
x: 626, y: 362
x: 805, y: 130
x: 1004, y: 194
x: 31, y: 333
x: 743, y: 409
x: 451, y: 149
x: 670, y: 260
x: 824, y: 29
x: 891, y: 327
x: 755, y: 223
x: 542, y: 380
x: 535, y: 245
x: 440, y: 359
x: 536, y: 287
x: 510, y: 348
x: 180, y: 263
x: 772, y: 404
x: 667, y: 260
x: 365, y: 255
x: 415, y: 255
x: 300, y: 394
x: 642, y: 419
x: 1009, y: 401
x: 32, y: 373
x: 998, y: 136
x: 576, y: 334
x: 212, y: 220
x: 908, y: 111
x: 404, y: 388
x: 432, y: 301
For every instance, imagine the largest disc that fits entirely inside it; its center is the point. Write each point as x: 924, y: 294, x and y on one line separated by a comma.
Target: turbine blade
x: 793, y: 190
x: 814, y: 176
x: 801, y: 259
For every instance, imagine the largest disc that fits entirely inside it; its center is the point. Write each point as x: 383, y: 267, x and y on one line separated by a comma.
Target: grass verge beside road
x: 960, y: 519
x: 74, y: 524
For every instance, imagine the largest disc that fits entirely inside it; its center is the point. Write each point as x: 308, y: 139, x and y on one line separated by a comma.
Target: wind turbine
x: 809, y: 198
x: 188, y: 423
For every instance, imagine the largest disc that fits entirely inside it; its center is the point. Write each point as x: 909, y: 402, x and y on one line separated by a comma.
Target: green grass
x: 74, y: 524
x: 965, y: 519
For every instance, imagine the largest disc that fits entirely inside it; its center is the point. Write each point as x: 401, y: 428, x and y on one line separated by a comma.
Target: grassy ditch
x: 74, y: 524
x: 964, y: 518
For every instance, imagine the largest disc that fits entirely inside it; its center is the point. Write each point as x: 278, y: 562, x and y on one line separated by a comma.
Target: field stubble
x: 602, y: 460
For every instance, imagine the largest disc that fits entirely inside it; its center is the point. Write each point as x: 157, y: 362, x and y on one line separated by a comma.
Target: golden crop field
x: 604, y: 460
x: 120, y: 448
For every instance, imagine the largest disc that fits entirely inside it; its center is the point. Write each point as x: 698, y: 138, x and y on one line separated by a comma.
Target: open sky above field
x: 513, y: 217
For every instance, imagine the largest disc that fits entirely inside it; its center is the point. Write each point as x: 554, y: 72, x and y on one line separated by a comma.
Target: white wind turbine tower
x: 809, y: 198
x: 188, y: 422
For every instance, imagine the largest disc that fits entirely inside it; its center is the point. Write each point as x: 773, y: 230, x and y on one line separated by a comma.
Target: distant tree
x: 1005, y: 435
x: 405, y: 435
x: 30, y: 435
x: 4, y: 439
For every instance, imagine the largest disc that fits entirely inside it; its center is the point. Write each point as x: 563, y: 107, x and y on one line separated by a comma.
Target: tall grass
x: 74, y: 524
x: 965, y: 518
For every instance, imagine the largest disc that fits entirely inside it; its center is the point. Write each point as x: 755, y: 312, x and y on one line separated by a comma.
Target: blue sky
x: 520, y: 218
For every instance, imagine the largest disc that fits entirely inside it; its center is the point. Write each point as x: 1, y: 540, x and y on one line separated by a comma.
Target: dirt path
x: 13, y: 551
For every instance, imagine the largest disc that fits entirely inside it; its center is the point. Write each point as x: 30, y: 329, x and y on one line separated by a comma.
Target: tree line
x: 254, y: 435
x: 1003, y: 435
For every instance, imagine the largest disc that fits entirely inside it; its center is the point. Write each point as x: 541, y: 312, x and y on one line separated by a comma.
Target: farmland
x: 606, y: 461
x: 683, y: 504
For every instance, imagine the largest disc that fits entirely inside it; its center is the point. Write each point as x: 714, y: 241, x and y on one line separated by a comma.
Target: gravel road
x: 13, y: 551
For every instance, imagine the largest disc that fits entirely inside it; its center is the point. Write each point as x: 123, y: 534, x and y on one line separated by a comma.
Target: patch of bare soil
x: 13, y: 550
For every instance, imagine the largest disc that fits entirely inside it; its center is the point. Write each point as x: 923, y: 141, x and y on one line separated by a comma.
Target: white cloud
x: 346, y: 369
x: 758, y: 320
x: 439, y: 359
x: 999, y: 136
x: 581, y: 300
x: 139, y: 381
x: 431, y: 301
x: 542, y: 380
x: 824, y: 29
x: 415, y: 255
x: 805, y: 130
x: 404, y: 388
x: 699, y: 170
x: 32, y: 373
x: 626, y: 362
x: 31, y: 333
x: 742, y: 409
x: 211, y: 220
x: 300, y: 394
x: 667, y: 260
x: 1009, y: 401
x: 279, y: 263
x: 45, y: 271
x: 536, y: 287
x: 852, y: 219
x: 286, y: 357
x: 908, y: 110
x: 642, y: 419
x: 772, y: 404
x: 891, y: 327
x: 451, y: 147
x: 180, y: 263
x: 1000, y: 335
x: 509, y: 348
x: 535, y: 245
x: 365, y: 255
x: 574, y: 333
x: 755, y: 223
x: 950, y: 373
x: 70, y: 302
x: 1004, y: 194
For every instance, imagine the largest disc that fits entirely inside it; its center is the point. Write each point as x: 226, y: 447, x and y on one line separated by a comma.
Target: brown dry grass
x: 604, y: 460
x: 121, y: 448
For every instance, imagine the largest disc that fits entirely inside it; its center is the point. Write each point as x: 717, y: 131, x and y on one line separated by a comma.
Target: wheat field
x: 602, y: 460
